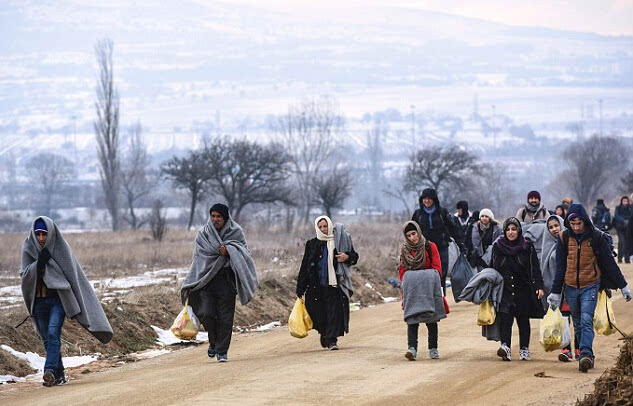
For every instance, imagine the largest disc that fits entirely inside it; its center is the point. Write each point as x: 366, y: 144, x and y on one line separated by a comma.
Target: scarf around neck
x: 430, y: 213
x: 508, y: 247
x: 329, y: 238
x: 407, y: 259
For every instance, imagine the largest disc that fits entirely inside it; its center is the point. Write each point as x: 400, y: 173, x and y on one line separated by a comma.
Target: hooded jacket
x: 609, y: 276
x: 439, y: 226
x: 622, y: 216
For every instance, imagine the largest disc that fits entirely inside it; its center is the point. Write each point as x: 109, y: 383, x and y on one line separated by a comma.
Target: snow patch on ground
x: 166, y: 337
x: 149, y: 354
x: 10, y: 379
x: 269, y: 326
x: 37, y: 362
x: 111, y: 287
x: 390, y: 299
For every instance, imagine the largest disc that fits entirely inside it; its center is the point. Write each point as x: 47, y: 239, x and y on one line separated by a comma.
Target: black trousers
x: 412, y: 335
x: 334, y: 317
x: 622, y: 247
x: 218, y: 300
x: 507, y: 320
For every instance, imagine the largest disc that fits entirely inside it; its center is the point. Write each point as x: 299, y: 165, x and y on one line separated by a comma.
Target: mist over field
x: 513, y: 90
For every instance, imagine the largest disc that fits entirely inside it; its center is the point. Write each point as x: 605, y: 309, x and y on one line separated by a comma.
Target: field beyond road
x: 274, y: 368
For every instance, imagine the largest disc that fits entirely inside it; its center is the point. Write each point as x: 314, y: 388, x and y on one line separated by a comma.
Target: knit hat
x: 487, y: 212
x: 535, y: 194
x: 410, y: 227
x: 462, y: 204
x: 223, y: 209
x: 600, y: 201
x: 40, y: 227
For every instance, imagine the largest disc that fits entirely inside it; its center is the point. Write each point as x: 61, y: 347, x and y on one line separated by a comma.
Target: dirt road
x: 370, y: 368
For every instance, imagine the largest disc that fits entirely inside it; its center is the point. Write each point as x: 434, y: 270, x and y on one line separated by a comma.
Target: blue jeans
x: 582, y: 303
x: 49, y: 317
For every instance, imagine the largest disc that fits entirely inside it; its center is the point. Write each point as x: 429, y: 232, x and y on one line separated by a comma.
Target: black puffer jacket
x: 444, y: 226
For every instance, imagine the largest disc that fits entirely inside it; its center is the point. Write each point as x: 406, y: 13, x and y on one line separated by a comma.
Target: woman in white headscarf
x: 325, y: 280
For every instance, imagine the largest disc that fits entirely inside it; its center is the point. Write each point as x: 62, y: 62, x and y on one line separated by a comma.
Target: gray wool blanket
x: 548, y: 258
x: 63, y: 273
x: 534, y: 232
x: 422, y: 297
x: 486, y: 285
x: 207, y: 260
x: 343, y: 243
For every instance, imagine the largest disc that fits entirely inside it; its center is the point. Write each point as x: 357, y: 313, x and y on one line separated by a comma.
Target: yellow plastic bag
x: 186, y: 325
x: 299, y: 322
x: 603, y: 318
x: 552, y: 329
x: 487, y: 314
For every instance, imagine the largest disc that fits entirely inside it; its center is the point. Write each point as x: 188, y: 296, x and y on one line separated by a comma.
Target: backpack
x: 542, y: 209
x: 598, y: 236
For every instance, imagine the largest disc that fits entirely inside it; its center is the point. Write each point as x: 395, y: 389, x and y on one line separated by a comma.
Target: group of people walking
x: 565, y: 266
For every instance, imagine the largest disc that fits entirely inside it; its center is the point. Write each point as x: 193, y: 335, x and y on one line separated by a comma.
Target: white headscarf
x: 329, y: 237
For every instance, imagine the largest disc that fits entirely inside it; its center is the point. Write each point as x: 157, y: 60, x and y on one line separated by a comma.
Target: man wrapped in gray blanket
x: 222, y: 268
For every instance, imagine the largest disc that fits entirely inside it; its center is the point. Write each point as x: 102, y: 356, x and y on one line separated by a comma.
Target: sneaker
x: 222, y: 358
x: 49, y: 378
x: 565, y: 356
x: 577, y: 354
x: 332, y: 347
x: 211, y: 352
x: 411, y: 354
x: 585, y: 364
x: 524, y: 354
x: 61, y: 380
x: 433, y: 353
x: 504, y: 352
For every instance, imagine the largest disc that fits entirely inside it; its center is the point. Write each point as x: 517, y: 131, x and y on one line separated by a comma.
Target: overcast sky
x: 613, y: 17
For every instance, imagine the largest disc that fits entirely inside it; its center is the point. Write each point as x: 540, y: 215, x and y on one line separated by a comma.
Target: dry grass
x: 277, y: 257
x: 123, y: 253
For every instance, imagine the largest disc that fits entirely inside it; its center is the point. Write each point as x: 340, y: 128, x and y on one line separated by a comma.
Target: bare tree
x: 50, y: 172
x: 157, y: 220
x: 594, y: 165
x: 244, y: 173
x: 627, y: 182
x: 135, y: 181
x: 190, y: 173
x: 441, y: 168
x: 106, y: 128
x: 308, y: 132
x: 332, y: 190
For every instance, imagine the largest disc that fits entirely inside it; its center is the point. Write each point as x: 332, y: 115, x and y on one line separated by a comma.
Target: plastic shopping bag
x: 566, y: 333
x: 460, y: 276
x: 551, y: 331
x: 299, y: 322
x: 486, y: 315
x: 603, y: 318
x: 186, y: 325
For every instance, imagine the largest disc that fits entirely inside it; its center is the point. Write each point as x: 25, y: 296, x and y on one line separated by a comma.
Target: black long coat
x: 521, y: 279
x: 308, y: 283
